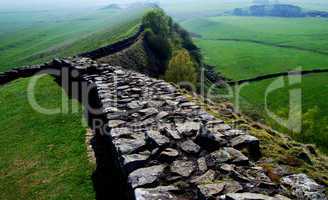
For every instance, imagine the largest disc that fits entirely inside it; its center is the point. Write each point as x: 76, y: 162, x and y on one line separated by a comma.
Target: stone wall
x: 22, y: 72
x: 113, y: 48
x: 167, y: 147
x: 154, y: 143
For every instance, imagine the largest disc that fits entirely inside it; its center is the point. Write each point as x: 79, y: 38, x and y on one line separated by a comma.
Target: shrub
x: 181, y: 68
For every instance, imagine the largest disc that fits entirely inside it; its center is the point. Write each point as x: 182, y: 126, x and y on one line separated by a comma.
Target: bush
x: 181, y: 68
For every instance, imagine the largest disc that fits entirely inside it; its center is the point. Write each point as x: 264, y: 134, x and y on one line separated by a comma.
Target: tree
x: 158, y: 22
x: 181, y: 68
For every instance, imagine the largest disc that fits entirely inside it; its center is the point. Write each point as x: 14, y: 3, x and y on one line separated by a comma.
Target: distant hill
x: 278, y: 10
x: 112, y: 7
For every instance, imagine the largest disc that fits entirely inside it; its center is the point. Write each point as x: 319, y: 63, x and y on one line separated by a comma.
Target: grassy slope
x: 42, y: 156
x: 255, y: 59
x: 239, y: 60
x: 314, y: 90
x: 50, y: 35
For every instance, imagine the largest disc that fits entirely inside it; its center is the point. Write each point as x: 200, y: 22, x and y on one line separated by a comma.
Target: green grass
x: 314, y: 106
x: 49, y: 35
x: 242, y: 60
x: 42, y: 156
x: 310, y: 33
x: 246, y: 59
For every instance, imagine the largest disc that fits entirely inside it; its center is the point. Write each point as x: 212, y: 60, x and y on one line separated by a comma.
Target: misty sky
x: 48, y: 4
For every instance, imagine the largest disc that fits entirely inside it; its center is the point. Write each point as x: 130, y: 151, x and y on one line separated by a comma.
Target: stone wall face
x: 113, y: 48
x: 22, y: 72
x: 164, y: 146
x: 167, y: 147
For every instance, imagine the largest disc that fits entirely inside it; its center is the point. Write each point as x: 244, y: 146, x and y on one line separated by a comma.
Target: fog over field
x: 170, y: 5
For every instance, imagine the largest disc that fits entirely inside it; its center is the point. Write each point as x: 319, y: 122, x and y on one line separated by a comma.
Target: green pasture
x: 42, y: 156
x: 48, y: 35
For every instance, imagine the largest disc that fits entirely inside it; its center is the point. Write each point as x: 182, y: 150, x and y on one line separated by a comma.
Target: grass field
x: 251, y: 59
x: 314, y: 104
x: 29, y: 38
x: 42, y: 156
x: 246, y: 47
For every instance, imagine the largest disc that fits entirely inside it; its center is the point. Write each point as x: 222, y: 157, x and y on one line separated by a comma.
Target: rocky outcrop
x: 167, y: 147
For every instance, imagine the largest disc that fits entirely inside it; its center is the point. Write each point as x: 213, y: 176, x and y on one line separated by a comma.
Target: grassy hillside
x: 246, y: 47
x: 42, y: 156
x: 255, y: 51
x: 28, y: 38
x: 314, y: 104
x: 242, y: 60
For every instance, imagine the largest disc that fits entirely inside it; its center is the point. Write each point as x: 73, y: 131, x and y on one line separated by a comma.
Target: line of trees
x: 179, y: 57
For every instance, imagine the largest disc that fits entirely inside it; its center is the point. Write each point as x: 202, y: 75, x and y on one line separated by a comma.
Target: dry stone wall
x: 164, y: 146
x: 167, y: 147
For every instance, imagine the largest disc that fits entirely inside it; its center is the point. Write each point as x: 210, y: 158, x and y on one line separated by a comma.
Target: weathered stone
x: 208, y: 177
x: 129, y: 146
x: 280, y: 197
x: 190, y: 147
x: 209, y: 140
x: 146, y: 176
x: 232, y: 187
x: 187, y: 104
x: 156, y: 138
x: 171, y: 133
x: 227, y: 167
x: 134, y: 105
x: 149, y: 111
x: 133, y: 161
x: 120, y: 132
x: 169, y: 154
x: 156, y: 104
x: 303, y: 187
x: 172, y: 103
x: 248, y: 196
x: 213, y: 123
x: 183, y: 168
x: 217, y: 158
x: 159, y: 193
x: 221, y: 127
x: 161, y: 115
x: 249, y: 142
x: 188, y: 128
x: 202, y: 164
x: 206, y: 117
x: 210, y: 190
x: 237, y: 156
x: 115, y: 123
x: 233, y: 133
x: 124, y: 87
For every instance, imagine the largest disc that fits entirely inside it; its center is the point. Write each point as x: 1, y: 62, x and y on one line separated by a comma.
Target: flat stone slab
x: 159, y: 193
x: 145, y: 176
x: 183, y: 168
x: 188, y: 128
x: 190, y: 147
